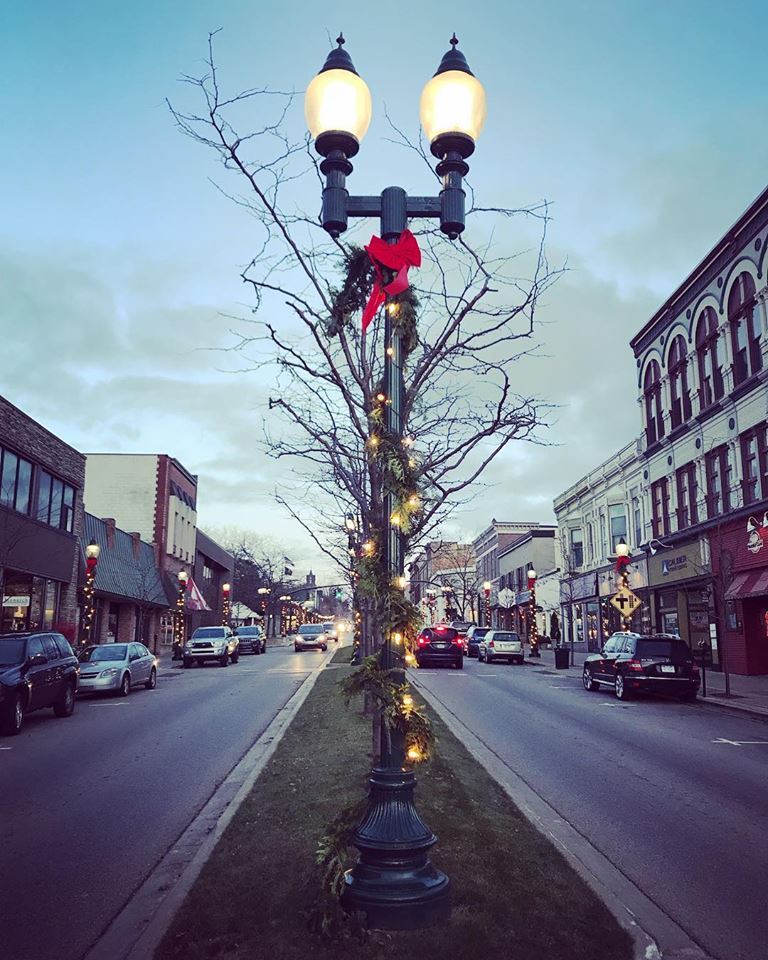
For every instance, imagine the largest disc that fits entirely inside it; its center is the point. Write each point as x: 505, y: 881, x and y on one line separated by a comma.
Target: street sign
x: 625, y: 601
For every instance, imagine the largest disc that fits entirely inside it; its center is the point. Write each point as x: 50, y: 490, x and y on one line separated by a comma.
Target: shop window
x: 745, y: 329
x: 15, y: 481
x: 711, y: 386
x: 718, y: 482
x: 55, y: 501
x: 654, y: 419
x: 617, y: 517
x: 687, y: 491
x: 637, y: 521
x: 660, y: 502
x: 680, y: 405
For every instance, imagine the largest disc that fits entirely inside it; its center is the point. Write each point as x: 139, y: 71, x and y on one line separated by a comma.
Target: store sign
x: 674, y: 565
x: 757, y: 534
x: 16, y: 601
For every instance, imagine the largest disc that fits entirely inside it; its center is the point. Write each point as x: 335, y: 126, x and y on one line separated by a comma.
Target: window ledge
x: 709, y: 411
x: 679, y: 431
x: 746, y: 386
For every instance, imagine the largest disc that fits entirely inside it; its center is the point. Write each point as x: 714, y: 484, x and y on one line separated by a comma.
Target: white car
x: 310, y: 636
x: 500, y: 645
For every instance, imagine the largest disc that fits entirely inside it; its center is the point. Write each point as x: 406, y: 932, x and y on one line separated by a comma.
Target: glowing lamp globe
x: 453, y: 106
x: 93, y: 550
x: 622, y: 550
x: 337, y: 105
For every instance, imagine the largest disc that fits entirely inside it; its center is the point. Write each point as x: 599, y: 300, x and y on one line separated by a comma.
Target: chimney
x: 109, y: 523
x: 136, y: 537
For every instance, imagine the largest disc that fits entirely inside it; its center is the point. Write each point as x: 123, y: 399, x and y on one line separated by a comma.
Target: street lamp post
x: 487, y: 614
x: 394, y: 882
x: 431, y: 601
x: 533, y: 628
x: 263, y: 593
x: 285, y: 607
x: 179, y: 623
x: 622, y: 568
x: 226, y: 605
x: 92, y: 552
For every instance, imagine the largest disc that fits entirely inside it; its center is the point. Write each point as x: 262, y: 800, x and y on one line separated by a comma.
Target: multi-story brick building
x: 489, y: 545
x: 41, y: 518
x: 214, y: 567
x: 443, y: 579
x: 154, y: 495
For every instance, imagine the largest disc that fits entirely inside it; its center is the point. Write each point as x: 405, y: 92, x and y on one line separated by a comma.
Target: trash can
x: 562, y: 656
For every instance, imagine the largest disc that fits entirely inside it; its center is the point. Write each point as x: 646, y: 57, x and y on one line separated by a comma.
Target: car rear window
x: 311, y: 629
x: 506, y: 637
x: 662, y: 647
x: 248, y: 631
x: 444, y: 633
x: 479, y: 632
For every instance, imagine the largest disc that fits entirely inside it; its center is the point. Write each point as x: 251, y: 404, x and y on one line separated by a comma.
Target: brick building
x: 214, y: 567
x: 41, y: 518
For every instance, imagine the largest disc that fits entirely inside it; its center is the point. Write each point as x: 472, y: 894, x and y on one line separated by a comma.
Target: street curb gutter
x: 633, y: 910
x: 136, y: 932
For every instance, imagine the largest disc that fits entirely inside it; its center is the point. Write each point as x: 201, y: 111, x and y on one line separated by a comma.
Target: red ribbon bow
x: 398, y: 256
x: 622, y: 562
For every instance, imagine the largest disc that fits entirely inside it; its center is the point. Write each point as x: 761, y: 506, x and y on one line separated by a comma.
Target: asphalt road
x: 649, y: 783
x: 89, y: 804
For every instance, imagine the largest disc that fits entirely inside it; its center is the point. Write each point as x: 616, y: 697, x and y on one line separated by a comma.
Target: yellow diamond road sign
x: 625, y: 601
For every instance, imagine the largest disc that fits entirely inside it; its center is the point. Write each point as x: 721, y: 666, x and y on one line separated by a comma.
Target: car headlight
x: 112, y: 672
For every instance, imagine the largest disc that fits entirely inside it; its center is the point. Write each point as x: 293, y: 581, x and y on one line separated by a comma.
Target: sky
x: 643, y: 124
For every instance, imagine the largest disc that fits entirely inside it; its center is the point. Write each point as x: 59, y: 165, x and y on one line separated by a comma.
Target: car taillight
x: 422, y: 641
x: 490, y: 643
x: 458, y: 641
x: 635, y: 666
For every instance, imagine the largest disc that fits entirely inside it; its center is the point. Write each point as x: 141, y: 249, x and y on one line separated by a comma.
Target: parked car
x: 462, y: 628
x: 331, y: 632
x: 37, y: 670
x: 310, y: 636
x: 474, y: 635
x: 631, y: 663
x: 440, y: 644
x: 500, y: 645
x: 251, y: 640
x: 211, y: 643
x: 116, y: 667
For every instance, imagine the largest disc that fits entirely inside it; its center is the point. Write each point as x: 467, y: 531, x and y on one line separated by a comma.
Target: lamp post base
x: 394, y: 882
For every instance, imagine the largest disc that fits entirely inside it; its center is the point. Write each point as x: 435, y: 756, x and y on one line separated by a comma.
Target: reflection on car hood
x: 101, y: 664
x: 9, y: 671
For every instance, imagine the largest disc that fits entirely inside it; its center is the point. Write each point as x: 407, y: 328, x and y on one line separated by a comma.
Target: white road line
x: 487, y: 674
x: 107, y: 704
x: 739, y: 743
x: 6, y: 748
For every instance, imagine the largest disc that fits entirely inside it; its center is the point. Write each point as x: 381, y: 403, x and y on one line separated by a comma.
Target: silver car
x: 310, y: 636
x: 116, y: 667
x: 500, y: 645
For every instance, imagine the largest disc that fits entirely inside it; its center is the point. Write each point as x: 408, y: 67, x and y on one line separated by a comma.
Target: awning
x: 751, y: 584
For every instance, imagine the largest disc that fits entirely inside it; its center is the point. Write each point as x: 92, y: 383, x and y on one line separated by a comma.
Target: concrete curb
x: 136, y: 932
x: 655, y: 935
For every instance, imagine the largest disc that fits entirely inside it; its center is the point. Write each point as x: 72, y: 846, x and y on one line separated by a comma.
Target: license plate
x: 667, y: 668
x: 439, y: 646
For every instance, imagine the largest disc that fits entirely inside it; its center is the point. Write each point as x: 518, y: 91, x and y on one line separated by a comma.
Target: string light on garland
x: 368, y: 547
x: 393, y: 308
x: 373, y: 440
x: 390, y: 351
x: 396, y: 520
x: 178, y: 625
x: 400, y: 582
x: 397, y: 638
x: 407, y: 702
x: 381, y: 397
x: 413, y: 502
x: 89, y: 590
x: 414, y: 754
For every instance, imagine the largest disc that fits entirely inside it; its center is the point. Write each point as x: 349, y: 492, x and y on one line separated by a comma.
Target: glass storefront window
x: 17, y: 599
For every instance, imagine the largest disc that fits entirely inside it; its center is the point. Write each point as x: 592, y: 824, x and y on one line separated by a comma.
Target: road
x: 88, y: 805
x: 673, y: 794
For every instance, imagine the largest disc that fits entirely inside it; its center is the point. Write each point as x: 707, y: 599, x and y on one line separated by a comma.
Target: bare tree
x: 476, y: 308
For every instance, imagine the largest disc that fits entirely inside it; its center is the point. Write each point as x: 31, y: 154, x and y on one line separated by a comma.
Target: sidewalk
x: 748, y: 694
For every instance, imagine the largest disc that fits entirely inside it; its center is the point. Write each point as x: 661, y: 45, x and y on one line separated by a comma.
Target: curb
x: 655, y: 935
x: 136, y: 931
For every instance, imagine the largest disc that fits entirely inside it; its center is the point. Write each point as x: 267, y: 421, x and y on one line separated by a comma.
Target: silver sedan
x: 116, y: 667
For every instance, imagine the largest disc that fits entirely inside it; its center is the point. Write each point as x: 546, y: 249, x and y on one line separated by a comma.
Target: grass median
x: 514, y: 896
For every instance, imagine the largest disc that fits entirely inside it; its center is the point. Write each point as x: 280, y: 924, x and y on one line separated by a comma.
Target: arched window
x: 654, y: 421
x: 745, y: 329
x: 678, y: 382
x: 710, y: 375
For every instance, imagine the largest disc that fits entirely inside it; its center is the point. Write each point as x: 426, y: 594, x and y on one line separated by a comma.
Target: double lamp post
x: 394, y: 883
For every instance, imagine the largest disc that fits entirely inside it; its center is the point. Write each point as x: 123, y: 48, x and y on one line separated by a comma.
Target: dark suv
x: 633, y: 663
x: 36, y: 670
x: 440, y: 645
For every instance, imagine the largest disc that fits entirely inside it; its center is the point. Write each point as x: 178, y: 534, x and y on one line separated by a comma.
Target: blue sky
x: 644, y: 124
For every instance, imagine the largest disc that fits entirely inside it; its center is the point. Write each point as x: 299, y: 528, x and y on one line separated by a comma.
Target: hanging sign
x: 16, y: 601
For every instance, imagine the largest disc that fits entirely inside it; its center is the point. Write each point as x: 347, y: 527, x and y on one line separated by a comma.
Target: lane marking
x: 487, y: 674
x: 739, y: 743
x: 107, y: 704
x: 6, y: 748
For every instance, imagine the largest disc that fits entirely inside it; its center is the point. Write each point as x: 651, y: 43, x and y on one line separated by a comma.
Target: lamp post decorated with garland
x: 487, y: 609
x: 181, y: 606
x: 533, y: 628
x: 92, y: 552
x: 623, y: 559
x: 226, y: 607
x: 394, y: 883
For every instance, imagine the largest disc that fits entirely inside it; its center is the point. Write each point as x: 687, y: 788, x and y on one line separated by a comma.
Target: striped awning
x: 754, y: 583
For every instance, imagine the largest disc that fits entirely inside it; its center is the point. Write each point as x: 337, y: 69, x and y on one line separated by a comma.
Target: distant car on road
x: 331, y: 632
x: 37, y: 670
x: 462, y: 628
x: 211, y: 643
x: 440, y: 644
x: 474, y: 635
x: 310, y: 636
x: 500, y: 645
x: 632, y: 663
x: 116, y: 668
x: 251, y: 640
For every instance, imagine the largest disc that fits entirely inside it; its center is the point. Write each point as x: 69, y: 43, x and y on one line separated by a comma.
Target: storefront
x: 581, y: 610
x: 740, y: 580
x: 682, y: 599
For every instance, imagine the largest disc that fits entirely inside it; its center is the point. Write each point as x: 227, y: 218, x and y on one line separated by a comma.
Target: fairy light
x: 398, y: 638
x: 410, y: 659
x: 381, y: 397
x: 368, y: 547
x: 413, y: 501
x: 395, y: 519
x: 414, y: 753
x: 393, y: 308
x: 373, y: 440
x: 390, y: 351
x: 400, y: 582
x: 407, y: 701
x: 411, y: 462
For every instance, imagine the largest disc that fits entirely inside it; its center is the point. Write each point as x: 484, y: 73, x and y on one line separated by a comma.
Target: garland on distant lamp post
x: 623, y: 559
x: 533, y: 628
x: 89, y: 609
x: 226, y: 589
x: 180, y: 613
x: 487, y: 592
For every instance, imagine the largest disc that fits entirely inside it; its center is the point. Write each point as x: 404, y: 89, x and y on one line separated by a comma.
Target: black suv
x: 633, y: 663
x: 440, y: 645
x: 36, y: 670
